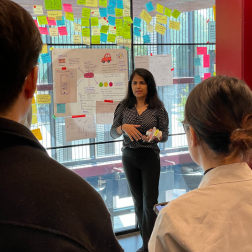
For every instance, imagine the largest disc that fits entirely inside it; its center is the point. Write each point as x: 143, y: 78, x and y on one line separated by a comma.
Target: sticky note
x: 51, y: 21
x: 136, y: 31
x: 118, y: 12
x: 197, y: 79
x: 111, y: 38
x: 126, y: 12
x: 67, y: 7
x: 95, y: 12
x: 46, y: 58
x: 160, y: 29
x: 54, y: 14
x: 77, y: 27
x: 54, y: 117
x: 95, y: 39
x: 37, y: 134
x: 81, y: 2
x: 207, y: 75
x: 61, y: 108
x: 137, y: 22
x: 174, y: 25
x: 119, y: 41
x: 76, y: 39
x: 112, y: 3
x: 127, y: 34
x: 201, y: 50
x: 149, y: 28
x: 119, y: 32
x: 149, y: 6
x: 38, y: 9
x: 36, y: 22
x: 161, y: 19
x: 33, y: 100
x: 34, y: 119
x: 62, y: 30
x: 175, y: 13
x: 94, y: 21
x: 211, y: 32
x: 111, y: 10
x: 103, y: 3
x: 103, y: 21
x: 44, y: 49
x: 146, y: 39
x: 85, y: 22
x: 43, y: 98
x: 92, y: 3
x: 104, y: 29
x: 103, y: 12
x: 86, y: 40
x: 127, y: 20
x: 103, y: 37
x: 53, y: 5
x: 85, y: 32
x: 43, y: 30
x: 61, y: 22
x: 214, y: 73
x: 112, y: 29
x: 96, y: 31
x: 42, y: 20
x: 119, y: 23
x: 206, y: 60
x: 53, y: 32
x: 70, y: 16
x: 34, y: 109
x: 111, y: 20
x: 214, y: 12
x: 160, y: 8
x: 146, y: 16
x: 167, y: 12
x: 119, y: 4
x: 51, y: 48
x: 86, y: 12
x: 197, y: 62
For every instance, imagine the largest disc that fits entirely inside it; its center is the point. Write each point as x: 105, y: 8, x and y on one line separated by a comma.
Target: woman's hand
x: 147, y: 138
x: 132, y: 132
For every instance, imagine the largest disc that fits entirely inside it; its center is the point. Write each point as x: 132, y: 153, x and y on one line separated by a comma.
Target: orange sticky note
x: 33, y: 100
x: 37, y: 134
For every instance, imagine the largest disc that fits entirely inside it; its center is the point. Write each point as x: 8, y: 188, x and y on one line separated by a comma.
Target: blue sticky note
x: 111, y: 10
x: 197, y: 79
x: 111, y: 20
x: 149, y: 6
x: 146, y: 39
x: 46, y: 58
x: 137, y: 22
x: 136, y: 31
x: 112, y: 3
x: 39, y: 59
x: 103, y: 12
x: 61, y: 22
x: 197, y: 62
x: 103, y: 37
x: 119, y: 4
x: 61, y: 108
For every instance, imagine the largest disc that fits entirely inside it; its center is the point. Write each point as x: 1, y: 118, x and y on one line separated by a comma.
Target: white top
x: 215, y: 217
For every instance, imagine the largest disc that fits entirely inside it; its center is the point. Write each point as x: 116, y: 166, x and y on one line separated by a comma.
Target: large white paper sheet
x: 105, y: 112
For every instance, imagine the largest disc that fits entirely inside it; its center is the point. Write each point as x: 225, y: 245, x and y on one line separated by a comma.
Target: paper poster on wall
x: 80, y: 128
x: 105, y: 111
x: 211, y: 32
x: 159, y: 65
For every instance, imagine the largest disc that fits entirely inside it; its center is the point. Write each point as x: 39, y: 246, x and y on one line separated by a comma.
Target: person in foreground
x: 139, y: 112
x: 217, y: 216
x: 43, y: 205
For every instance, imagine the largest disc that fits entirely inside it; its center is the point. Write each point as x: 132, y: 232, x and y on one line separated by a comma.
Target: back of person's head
x: 20, y: 44
x: 219, y: 109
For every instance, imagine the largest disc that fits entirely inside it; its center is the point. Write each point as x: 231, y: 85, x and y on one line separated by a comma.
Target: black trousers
x: 142, y: 170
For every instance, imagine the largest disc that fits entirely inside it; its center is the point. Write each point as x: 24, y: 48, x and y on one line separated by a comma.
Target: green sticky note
x: 128, y: 20
x: 53, y: 5
x: 111, y: 38
x: 70, y: 16
x: 85, y: 22
x: 127, y: 48
x: 42, y: 20
x: 126, y: 27
x: 104, y: 29
x: 175, y: 13
x: 86, y: 12
x: 85, y: 32
x: 119, y: 23
x: 103, y: 3
x: 127, y: 34
x: 119, y: 31
x: 167, y: 12
x: 118, y: 12
x: 95, y: 39
x: 54, y: 117
x: 81, y: 2
x: 94, y: 21
x: 214, y: 73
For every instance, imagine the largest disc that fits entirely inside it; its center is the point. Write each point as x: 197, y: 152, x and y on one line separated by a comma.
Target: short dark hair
x: 219, y: 109
x: 152, y: 96
x: 20, y: 43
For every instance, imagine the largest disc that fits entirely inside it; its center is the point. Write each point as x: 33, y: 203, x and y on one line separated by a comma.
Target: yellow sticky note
x: 160, y: 8
x: 167, y: 12
x: 38, y: 9
x: 214, y: 12
x: 161, y: 19
x: 33, y: 100
x: 86, y: 40
x: 119, y: 40
x: 96, y: 31
x: 77, y: 39
x: 86, y: 12
x: 37, y: 133
x: 119, y: 32
x: 81, y: 2
x: 102, y: 21
x: 42, y: 20
x: 126, y: 12
x: 84, y: 21
x: 104, y: 29
x: 103, y: 3
x: 118, y: 12
x: 94, y: 21
x: 160, y: 29
x: 51, y: 48
x: 43, y: 98
x: 92, y: 3
x: 174, y: 25
x: 85, y: 32
x: 128, y: 20
x: 112, y: 29
x: 214, y: 73
x: 44, y: 49
x: 127, y: 43
x: 77, y: 27
x: 149, y: 28
x: 95, y: 39
x: 34, y: 119
x: 146, y: 16
x: 119, y: 23
x: 70, y: 16
x: 95, y: 12
x: 127, y: 34
x: 54, y: 14
x: 34, y: 109
x: 111, y: 38
x: 175, y: 13
x: 53, y: 32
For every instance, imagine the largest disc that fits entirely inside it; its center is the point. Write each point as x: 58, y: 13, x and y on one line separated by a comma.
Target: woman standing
x: 139, y: 112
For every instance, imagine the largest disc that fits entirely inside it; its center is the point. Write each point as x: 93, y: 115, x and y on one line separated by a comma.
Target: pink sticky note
x: 43, y: 30
x: 62, y: 30
x: 36, y: 22
x: 201, y: 50
x: 207, y: 75
x: 51, y: 21
x: 67, y: 7
x: 206, y: 60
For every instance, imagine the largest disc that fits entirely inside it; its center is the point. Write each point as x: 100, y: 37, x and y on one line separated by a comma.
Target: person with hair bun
x: 217, y: 216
